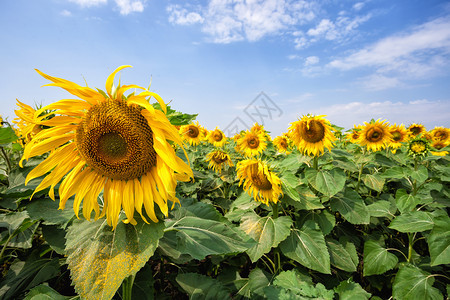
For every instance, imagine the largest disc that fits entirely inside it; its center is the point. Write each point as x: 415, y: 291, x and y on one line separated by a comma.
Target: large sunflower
x: 192, y: 133
x: 258, y: 180
x: 218, y: 159
x: 375, y: 135
x: 27, y: 125
x: 399, y: 136
x: 252, y: 143
x: 217, y: 138
x: 110, y: 143
x: 312, y: 134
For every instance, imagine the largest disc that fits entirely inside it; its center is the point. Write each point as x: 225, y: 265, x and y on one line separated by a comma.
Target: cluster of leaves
x: 361, y: 225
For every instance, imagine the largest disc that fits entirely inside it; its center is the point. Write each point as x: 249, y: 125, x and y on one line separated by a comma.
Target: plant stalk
x: 316, y: 162
x: 274, y: 209
x: 127, y: 287
x: 5, y: 156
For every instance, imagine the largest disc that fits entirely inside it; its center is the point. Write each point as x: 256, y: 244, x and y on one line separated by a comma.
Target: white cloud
x: 311, y: 60
x: 358, y: 6
x: 378, y: 82
x: 181, y: 16
x: 429, y: 113
x: 89, y: 3
x: 65, y: 13
x: 227, y: 21
x: 341, y: 28
x: 128, y: 6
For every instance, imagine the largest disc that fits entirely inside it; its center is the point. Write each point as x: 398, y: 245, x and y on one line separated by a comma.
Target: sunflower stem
x: 316, y: 162
x: 410, y: 246
x: 5, y: 157
x: 127, y: 287
x: 274, y: 209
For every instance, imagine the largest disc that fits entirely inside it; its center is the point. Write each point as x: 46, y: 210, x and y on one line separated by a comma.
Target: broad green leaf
x: 267, y: 232
x: 328, y: 183
x: 202, y: 287
x: 405, y: 202
x: 339, y: 256
x: 420, y: 175
x: 351, y: 206
x: 324, y: 218
x: 415, y: 221
x: 374, y: 181
x: 47, y: 210
x: 243, y: 203
x: 201, y: 237
x: 55, y: 237
x: 307, y: 246
x: 381, y: 208
x: 7, y: 135
x: 307, y: 199
x: 23, y: 276
x: 439, y: 241
x: 396, y: 172
x: 414, y: 283
x: 301, y: 285
x: 377, y: 259
x: 44, y: 292
x: 254, y: 287
x: 100, y: 259
x: 349, y: 290
x: 20, y: 227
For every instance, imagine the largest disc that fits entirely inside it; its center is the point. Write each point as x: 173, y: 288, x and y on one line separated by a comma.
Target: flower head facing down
x: 258, y: 180
x: 218, y: 159
x: 375, y: 135
x: 110, y: 143
x: 312, y: 134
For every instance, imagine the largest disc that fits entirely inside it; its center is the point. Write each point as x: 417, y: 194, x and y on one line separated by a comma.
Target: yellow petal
x: 110, y: 79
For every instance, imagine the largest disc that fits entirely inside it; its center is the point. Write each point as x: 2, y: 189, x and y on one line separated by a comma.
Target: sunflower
x: 192, y: 133
x: 439, y: 145
x: 252, y: 143
x: 416, y: 129
x: 257, y: 128
x: 418, y: 147
x: 353, y: 135
x: 27, y: 125
x: 440, y: 134
x: 399, y: 136
x: 375, y: 135
x: 282, y: 143
x: 218, y: 159
x: 312, y: 134
x: 217, y: 138
x: 112, y: 143
x: 258, y: 180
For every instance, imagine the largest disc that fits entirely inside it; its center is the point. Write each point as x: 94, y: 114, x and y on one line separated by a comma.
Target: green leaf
x: 349, y: 290
x: 324, y: 218
x: 301, y: 285
x: 200, y: 237
x: 351, y: 206
x: 420, y: 175
x: 328, y: 183
x: 20, y: 227
x: 339, y: 256
x: 439, y: 241
x: 414, y: 221
x: 100, y: 259
x: 404, y: 201
x: 7, y: 135
x: 23, y: 276
x: 307, y: 200
x: 381, y: 208
x: 202, y: 287
x: 396, y: 172
x: 307, y: 246
x: 243, y: 203
x: 143, y: 284
x: 47, y: 210
x: 414, y: 283
x: 377, y: 259
x: 44, y: 292
x: 254, y: 287
x: 266, y: 231
x: 55, y: 237
x: 374, y: 181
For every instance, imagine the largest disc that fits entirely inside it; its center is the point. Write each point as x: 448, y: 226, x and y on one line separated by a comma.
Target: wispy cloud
x: 182, y: 16
x: 89, y: 3
x: 125, y: 6
x: 65, y: 13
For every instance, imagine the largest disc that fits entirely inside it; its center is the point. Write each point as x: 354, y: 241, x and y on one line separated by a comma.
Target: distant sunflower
x: 192, y: 133
x: 27, y: 125
x: 217, y: 138
x: 312, y: 134
x: 440, y: 134
x: 218, y: 159
x: 108, y: 142
x: 353, y: 135
x: 437, y: 146
x: 282, y: 143
x: 252, y: 143
x: 257, y: 128
x: 418, y: 147
x: 375, y: 135
x: 416, y: 129
x: 258, y: 180
x: 399, y: 136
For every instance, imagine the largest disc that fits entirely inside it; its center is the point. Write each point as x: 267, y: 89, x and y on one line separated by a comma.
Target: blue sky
x: 235, y: 61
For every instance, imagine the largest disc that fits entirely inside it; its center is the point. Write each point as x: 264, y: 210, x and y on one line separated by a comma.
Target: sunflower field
x: 116, y: 195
